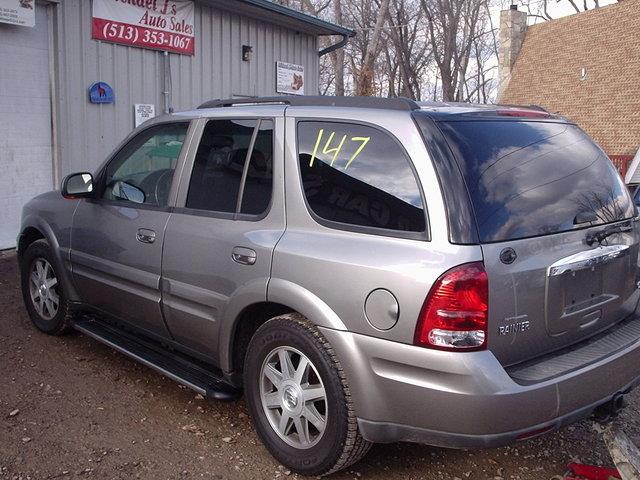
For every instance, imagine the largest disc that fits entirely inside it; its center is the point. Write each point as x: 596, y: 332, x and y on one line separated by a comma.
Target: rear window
x: 535, y: 178
x: 358, y: 176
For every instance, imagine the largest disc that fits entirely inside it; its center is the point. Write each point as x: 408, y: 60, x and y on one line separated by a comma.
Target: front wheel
x: 42, y: 291
x: 299, y: 399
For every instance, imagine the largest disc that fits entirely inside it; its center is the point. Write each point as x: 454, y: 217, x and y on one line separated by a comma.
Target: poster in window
x: 158, y: 24
x: 289, y: 78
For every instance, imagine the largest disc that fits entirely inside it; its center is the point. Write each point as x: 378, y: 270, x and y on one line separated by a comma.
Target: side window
x: 217, y: 178
x: 143, y: 170
x: 358, y: 175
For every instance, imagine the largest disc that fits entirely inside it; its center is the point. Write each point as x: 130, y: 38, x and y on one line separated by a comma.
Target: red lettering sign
x: 158, y: 24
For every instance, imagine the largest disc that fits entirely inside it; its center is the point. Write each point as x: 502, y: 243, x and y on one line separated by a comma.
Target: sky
x: 560, y: 8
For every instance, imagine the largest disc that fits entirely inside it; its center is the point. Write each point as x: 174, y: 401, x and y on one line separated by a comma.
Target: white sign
x: 18, y: 12
x: 143, y: 112
x: 158, y: 24
x: 289, y: 78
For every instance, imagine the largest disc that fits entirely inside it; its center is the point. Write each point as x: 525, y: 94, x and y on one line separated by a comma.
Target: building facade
x: 585, y: 66
x: 52, y: 124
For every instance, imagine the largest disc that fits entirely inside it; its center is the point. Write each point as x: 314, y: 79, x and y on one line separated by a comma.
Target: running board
x: 202, y: 378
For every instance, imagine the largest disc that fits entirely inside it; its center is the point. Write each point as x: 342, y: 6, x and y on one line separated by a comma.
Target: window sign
x: 161, y: 25
x: 289, y: 78
x: 18, y: 12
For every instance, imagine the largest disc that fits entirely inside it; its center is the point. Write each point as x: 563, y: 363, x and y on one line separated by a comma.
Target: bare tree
x: 453, y: 27
x: 440, y: 49
x: 412, y: 50
x: 364, y: 80
x: 541, y: 8
x: 337, y: 56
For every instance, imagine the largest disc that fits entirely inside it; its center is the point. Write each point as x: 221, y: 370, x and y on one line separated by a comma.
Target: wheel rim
x: 43, y: 286
x: 293, y: 397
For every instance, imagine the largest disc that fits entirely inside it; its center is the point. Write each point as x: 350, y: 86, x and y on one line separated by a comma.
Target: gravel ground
x: 73, y: 408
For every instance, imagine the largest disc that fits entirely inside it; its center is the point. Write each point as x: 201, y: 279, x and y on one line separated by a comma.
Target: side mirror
x: 125, y: 191
x: 77, y: 185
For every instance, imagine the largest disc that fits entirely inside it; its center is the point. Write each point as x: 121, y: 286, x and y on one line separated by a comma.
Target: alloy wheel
x: 293, y: 397
x: 43, y: 287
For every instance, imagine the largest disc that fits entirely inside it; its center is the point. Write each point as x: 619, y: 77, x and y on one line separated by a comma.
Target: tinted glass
x: 145, y: 165
x: 258, y: 185
x: 358, y: 175
x: 535, y: 178
x: 219, y: 163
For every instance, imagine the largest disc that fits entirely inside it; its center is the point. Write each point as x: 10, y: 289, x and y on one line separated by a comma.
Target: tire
x: 338, y: 444
x: 37, y: 268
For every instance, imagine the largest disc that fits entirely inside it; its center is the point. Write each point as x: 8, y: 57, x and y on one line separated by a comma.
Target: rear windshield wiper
x: 599, y: 236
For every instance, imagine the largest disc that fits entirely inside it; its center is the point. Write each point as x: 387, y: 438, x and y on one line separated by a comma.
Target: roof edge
x: 333, y: 28
x: 578, y: 15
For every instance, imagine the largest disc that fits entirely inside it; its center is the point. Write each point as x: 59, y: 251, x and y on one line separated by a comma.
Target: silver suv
x: 366, y: 270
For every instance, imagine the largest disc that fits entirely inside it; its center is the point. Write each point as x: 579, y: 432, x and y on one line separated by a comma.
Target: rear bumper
x: 467, y: 400
x: 381, y: 432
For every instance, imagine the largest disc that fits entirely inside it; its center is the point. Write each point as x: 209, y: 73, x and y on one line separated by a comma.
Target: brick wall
x: 606, y: 43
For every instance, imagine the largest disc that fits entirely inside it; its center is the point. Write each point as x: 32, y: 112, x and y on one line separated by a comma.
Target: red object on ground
x: 589, y: 472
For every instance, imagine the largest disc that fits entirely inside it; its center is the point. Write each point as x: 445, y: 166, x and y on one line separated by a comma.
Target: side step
x: 202, y: 378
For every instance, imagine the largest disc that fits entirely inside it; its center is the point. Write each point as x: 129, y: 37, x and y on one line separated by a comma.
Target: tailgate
x: 557, y: 230
x: 557, y: 292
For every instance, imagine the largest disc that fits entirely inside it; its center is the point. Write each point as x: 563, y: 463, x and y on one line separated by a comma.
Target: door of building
x: 25, y: 120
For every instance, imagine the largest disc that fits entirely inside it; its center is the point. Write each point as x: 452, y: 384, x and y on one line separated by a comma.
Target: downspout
x: 53, y: 92
x: 167, y: 83
x: 335, y: 46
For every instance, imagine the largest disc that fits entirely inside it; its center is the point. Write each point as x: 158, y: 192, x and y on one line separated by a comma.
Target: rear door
x: 116, y: 242
x: 542, y: 192
x: 220, y: 239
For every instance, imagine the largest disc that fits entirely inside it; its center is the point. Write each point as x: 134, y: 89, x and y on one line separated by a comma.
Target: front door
x: 219, y: 243
x: 116, y: 243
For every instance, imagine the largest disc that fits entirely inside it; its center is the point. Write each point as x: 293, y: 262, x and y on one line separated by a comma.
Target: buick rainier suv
x: 364, y: 270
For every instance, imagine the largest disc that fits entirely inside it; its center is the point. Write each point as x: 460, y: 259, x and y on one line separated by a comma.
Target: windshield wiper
x: 601, y: 235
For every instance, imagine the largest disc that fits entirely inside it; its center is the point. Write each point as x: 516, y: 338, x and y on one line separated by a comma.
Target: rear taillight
x: 455, y: 313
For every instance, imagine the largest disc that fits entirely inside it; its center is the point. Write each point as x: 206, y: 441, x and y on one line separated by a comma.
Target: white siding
x: 633, y: 173
x: 88, y: 132
x: 25, y: 121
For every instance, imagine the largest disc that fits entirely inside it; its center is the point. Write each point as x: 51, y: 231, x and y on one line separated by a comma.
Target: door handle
x: 144, y: 235
x: 244, y: 256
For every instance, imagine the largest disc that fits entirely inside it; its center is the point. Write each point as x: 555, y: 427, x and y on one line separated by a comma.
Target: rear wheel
x: 299, y: 399
x: 42, y: 291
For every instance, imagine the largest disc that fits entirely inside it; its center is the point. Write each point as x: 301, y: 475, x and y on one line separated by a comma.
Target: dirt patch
x: 73, y: 408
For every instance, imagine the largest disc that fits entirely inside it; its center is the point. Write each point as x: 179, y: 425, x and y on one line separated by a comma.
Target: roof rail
x: 399, y: 103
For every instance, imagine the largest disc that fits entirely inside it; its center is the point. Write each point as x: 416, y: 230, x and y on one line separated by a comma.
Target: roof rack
x: 399, y: 103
